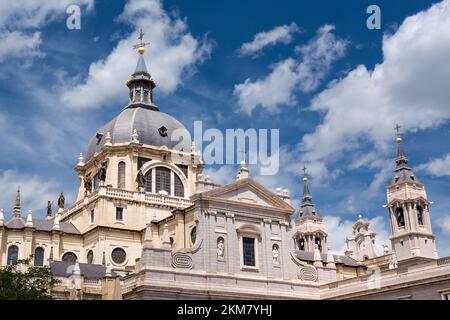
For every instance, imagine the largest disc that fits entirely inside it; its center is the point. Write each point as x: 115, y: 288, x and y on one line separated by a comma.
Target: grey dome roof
x: 147, y: 121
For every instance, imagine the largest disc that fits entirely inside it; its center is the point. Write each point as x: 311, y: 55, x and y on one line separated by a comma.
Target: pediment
x: 247, y: 191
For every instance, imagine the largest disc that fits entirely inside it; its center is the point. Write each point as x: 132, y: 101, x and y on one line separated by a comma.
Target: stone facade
x: 147, y: 225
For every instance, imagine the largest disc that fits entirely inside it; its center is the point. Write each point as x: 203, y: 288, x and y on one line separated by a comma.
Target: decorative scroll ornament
x: 182, y: 260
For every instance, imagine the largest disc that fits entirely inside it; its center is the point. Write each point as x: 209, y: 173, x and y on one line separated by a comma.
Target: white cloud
x: 225, y: 174
x: 410, y: 87
x: 18, y: 44
x: 34, y: 190
x: 276, y: 89
x: 280, y: 34
x: 290, y: 76
x: 444, y: 224
x: 318, y: 56
x: 19, y: 20
x: 172, y: 54
x: 437, y: 167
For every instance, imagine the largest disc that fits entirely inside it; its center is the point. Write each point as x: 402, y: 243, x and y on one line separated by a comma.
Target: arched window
x: 90, y: 257
x: 162, y: 179
x: 39, y: 257
x: 400, y: 217
x: 96, y: 181
x: 179, y: 188
x: 69, y: 257
x: 13, y: 255
x: 319, y: 243
x: 301, y: 244
x: 121, y: 175
x: 148, y: 181
x: 420, y: 215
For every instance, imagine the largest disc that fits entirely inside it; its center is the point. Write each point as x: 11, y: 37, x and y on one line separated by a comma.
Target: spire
x: 317, y: 257
x: 2, y: 217
x: 17, y: 206
x: 141, y: 68
x: 307, y: 208
x: 402, y: 172
x: 401, y: 159
x: 50, y: 257
x: 141, y: 84
x: 148, y: 239
x: 330, y: 258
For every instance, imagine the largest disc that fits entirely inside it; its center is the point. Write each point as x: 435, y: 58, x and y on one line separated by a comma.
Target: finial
x: 56, y: 223
x: 359, y: 216
x: 81, y: 159
x: 305, y: 178
x: 108, y: 139
x: 243, y: 157
x: 141, y: 46
x: 399, y: 135
x: 29, y: 222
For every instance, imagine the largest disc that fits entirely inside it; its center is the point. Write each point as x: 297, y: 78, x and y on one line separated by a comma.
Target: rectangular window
x: 119, y: 214
x: 248, y: 246
x: 92, y: 216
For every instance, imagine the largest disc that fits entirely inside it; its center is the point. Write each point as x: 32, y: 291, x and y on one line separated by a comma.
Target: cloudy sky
x: 334, y: 88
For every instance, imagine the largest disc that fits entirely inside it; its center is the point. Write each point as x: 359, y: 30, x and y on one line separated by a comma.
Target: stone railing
x: 442, y: 261
x: 120, y: 193
x: 113, y: 193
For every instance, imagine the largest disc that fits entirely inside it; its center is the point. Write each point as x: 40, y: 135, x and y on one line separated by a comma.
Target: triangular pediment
x: 247, y: 191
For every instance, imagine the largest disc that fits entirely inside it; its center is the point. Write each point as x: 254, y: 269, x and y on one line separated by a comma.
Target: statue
x: 102, y: 171
x: 141, y: 180
x: 49, y: 208
x: 393, y: 263
x: 275, y: 254
x: 61, y: 201
x: 87, y: 184
x: 220, y: 247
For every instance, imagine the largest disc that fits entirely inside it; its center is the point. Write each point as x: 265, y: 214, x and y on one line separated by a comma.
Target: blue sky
x: 334, y: 88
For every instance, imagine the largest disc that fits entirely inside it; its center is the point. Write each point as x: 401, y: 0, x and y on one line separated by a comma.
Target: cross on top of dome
x: 141, y: 46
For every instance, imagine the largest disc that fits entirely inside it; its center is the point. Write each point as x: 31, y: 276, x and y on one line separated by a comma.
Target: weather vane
x: 140, y: 46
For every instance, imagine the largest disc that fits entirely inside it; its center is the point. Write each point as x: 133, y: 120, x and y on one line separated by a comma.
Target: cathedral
x: 146, y: 224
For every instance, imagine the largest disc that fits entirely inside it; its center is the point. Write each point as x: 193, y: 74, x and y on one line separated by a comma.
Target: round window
x: 193, y: 235
x: 118, y: 255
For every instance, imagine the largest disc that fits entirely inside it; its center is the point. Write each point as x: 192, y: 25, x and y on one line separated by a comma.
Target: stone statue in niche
x: 220, y: 247
x: 275, y: 254
x: 87, y: 184
x: 140, y: 180
x: 61, y: 201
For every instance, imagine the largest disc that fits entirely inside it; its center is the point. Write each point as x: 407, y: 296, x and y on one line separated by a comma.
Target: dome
x: 149, y: 124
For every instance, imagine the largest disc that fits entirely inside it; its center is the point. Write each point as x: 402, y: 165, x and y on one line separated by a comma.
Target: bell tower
x: 409, y: 213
